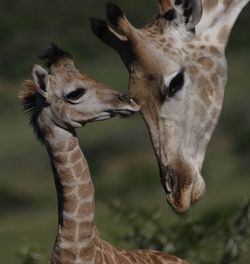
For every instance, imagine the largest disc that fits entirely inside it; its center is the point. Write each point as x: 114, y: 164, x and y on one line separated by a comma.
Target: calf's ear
x: 40, y: 77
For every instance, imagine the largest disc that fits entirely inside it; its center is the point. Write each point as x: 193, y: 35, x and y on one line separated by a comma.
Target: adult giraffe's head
x: 177, y: 74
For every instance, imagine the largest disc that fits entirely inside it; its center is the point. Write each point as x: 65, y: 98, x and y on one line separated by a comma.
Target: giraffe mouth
x: 121, y: 113
x: 125, y: 113
x: 110, y: 114
x: 102, y: 117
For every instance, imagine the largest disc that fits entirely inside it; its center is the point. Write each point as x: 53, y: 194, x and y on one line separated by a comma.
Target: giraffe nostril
x: 124, y: 98
x: 168, y: 179
x: 171, y: 182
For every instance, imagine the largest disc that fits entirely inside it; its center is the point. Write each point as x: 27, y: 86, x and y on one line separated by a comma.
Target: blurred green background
x: 119, y: 152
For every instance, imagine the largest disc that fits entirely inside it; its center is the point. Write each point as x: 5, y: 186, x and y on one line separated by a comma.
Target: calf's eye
x: 76, y: 94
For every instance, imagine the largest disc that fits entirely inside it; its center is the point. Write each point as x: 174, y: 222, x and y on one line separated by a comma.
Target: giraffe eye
x: 76, y: 94
x: 174, y: 86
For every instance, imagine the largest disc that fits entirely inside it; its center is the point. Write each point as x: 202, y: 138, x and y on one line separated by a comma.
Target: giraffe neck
x: 76, y: 240
x: 76, y: 233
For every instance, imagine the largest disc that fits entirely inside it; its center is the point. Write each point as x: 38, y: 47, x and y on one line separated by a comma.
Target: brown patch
x: 68, y: 189
x: 70, y: 203
x: 86, y: 209
x: 210, y: 4
x: 98, y: 259
x: 193, y: 69
x: 86, y: 229
x: 166, y: 50
x: 78, y: 169
x: 169, y: 45
x: 88, y: 253
x: 61, y: 158
x: 215, y: 51
x: 69, y: 225
x: 206, y: 62
x: 65, y: 175
x: 68, y: 236
x: 65, y: 256
x: 59, y: 146
x: 223, y: 34
x: 68, y: 230
x: 85, y: 190
x: 72, y: 144
x: 215, y: 79
x: 155, y: 259
x: 203, y: 83
x: 75, y: 156
x: 202, y: 47
x: 47, y: 131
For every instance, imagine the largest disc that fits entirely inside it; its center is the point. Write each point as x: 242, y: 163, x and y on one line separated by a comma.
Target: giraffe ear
x: 40, y: 76
x: 187, y: 12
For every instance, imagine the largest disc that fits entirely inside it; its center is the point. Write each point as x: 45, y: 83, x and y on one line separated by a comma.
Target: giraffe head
x: 177, y: 77
x: 69, y: 98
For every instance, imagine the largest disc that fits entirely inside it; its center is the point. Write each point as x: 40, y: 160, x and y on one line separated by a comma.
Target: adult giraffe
x: 177, y: 74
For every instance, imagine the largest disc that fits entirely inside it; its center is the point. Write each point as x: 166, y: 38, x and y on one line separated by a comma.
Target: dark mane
x: 28, y: 96
x: 53, y: 55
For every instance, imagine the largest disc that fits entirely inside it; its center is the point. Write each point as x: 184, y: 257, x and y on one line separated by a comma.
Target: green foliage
x: 236, y: 241
x: 217, y: 237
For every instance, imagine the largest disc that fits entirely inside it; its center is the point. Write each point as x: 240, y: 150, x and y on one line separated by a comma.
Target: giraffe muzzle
x: 127, y: 106
x: 182, y: 186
